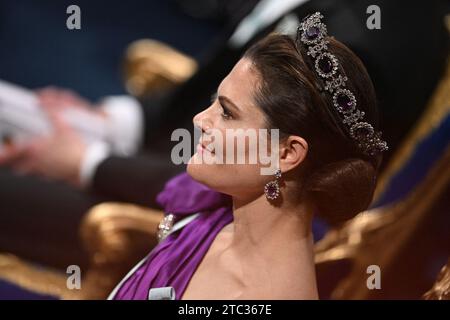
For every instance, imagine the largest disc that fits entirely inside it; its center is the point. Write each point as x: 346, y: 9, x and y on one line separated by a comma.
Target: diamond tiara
x: 312, y: 32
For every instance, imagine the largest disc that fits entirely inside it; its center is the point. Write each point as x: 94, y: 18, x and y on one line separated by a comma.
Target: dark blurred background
x: 38, y: 50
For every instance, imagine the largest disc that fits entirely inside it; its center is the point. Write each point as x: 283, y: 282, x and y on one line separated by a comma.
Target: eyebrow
x: 228, y: 102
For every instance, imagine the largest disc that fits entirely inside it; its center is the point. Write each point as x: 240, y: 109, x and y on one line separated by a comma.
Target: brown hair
x: 336, y: 176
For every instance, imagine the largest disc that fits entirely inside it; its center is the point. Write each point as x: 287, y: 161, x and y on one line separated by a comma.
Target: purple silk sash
x: 173, y: 261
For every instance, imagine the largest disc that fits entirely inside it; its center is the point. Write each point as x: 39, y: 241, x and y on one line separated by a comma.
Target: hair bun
x: 340, y: 190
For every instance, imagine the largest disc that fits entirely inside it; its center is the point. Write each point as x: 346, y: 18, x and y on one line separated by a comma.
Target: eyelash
x: 226, y: 114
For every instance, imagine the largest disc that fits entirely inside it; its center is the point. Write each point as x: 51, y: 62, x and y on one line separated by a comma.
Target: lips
x: 204, y: 146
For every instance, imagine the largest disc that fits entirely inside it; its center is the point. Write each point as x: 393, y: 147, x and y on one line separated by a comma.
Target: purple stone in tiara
x: 344, y: 101
x: 312, y: 32
x: 326, y: 65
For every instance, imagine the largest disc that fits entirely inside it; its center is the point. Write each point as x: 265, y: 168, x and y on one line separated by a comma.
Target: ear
x: 292, y: 152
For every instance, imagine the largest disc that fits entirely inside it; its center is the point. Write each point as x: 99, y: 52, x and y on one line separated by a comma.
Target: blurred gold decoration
x: 151, y: 66
x: 34, y: 278
x: 117, y: 237
x: 441, y: 288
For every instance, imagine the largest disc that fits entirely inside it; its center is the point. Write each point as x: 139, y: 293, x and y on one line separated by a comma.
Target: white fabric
x: 264, y: 13
x: 163, y: 293
x: 125, y: 123
x: 124, y: 135
x: 94, y: 155
x: 22, y: 118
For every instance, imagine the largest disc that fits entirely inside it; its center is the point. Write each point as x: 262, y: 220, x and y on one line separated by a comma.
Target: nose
x: 202, y: 121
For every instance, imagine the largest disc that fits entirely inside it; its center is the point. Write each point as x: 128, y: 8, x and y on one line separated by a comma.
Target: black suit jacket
x: 405, y: 59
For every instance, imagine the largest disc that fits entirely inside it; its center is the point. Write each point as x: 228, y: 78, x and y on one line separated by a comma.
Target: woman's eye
x: 226, y: 114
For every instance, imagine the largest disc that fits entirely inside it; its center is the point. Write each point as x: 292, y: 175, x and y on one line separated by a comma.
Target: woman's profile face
x: 231, y: 137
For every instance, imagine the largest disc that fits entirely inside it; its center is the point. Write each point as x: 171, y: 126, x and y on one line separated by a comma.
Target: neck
x: 258, y: 223
x: 277, y: 239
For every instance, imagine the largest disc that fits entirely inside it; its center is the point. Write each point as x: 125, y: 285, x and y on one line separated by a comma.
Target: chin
x: 200, y: 172
x: 211, y: 175
x: 194, y: 171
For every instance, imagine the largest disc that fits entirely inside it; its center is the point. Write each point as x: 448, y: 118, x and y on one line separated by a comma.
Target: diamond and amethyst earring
x: 272, y: 188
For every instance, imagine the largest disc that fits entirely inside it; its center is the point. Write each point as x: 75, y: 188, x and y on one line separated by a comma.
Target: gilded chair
x: 441, y: 288
x: 115, y: 235
x: 151, y: 67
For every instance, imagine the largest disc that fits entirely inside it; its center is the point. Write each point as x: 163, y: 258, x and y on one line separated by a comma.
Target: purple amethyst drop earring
x: 272, y: 188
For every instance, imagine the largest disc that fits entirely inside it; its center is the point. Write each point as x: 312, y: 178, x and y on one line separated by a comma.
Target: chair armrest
x: 152, y: 66
x: 441, y: 288
x: 116, y: 236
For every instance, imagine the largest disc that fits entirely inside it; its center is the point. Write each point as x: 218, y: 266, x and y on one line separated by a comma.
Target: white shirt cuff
x: 95, y: 154
x: 125, y: 125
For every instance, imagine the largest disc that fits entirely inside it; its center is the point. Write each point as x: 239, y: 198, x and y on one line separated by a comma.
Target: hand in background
x: 60, y: 99
x: 57, y: 155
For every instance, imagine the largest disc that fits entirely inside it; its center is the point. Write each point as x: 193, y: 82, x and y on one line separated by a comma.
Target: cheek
x: 253, y: 148
x: 230, y: 177
x: 236, y: 146
x: 224, y: 173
